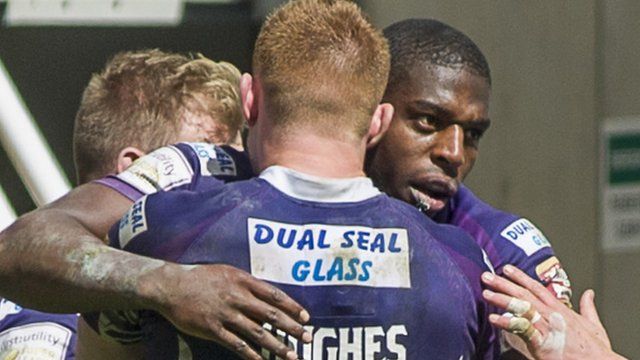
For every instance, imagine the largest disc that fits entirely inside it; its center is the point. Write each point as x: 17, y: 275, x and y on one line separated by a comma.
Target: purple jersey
x: 30, y: 334
x: 507, y: 238
x: 184, y: 166
x: 380, y: 280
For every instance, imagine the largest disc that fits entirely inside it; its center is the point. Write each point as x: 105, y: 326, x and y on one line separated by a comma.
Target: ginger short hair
x: 324, y: 60
x: 142, y: 98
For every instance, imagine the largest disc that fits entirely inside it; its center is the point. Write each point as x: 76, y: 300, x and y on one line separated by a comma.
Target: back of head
x: 143, y: 98
x: 321, y: 64
x: 418, y: 42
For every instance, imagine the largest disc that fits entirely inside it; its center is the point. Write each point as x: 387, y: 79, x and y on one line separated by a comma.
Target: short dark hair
x: 418, y: 41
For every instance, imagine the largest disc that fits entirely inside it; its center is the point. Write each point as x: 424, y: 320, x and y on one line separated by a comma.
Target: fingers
x: 257, y: 334
x: 588, y: 307
x: 507, y: 287
x: 497, y: 299
x: 265, y: 313
x: 235, y: 317
x: 532, y: 285
x: 519, y: 326
x: 279, y: 299
x: 588, y: 310
x: 521, y: 286
x: 237, y: 345
x: 519, y: 308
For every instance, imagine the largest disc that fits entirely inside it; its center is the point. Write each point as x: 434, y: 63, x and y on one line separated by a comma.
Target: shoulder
x: 457, y: 243
x: 218, y: 160
x: 180, y: 166
x: 144, y: 228
x: 494, y: 229
x: 154, y: 220
x: 165, y: 224
x: 510, y: 239
x: 465, y: 206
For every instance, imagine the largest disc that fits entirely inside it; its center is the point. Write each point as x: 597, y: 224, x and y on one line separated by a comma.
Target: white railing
x: 7, y: 215
x: 19, y: 135
x: 26, y: 147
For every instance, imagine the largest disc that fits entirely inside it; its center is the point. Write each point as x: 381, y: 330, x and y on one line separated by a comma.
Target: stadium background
x: 559, y: 68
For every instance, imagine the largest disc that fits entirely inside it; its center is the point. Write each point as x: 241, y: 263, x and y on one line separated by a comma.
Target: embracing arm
x: 53, y: 259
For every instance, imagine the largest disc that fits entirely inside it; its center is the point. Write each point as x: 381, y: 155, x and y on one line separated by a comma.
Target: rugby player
x: 381, y: 279
x: 140, y: 101
x: 439, y: 86
x: 39, y: 234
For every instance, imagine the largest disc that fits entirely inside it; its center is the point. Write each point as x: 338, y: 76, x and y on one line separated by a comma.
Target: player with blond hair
x: 149, y: 98
x: 140, y: 100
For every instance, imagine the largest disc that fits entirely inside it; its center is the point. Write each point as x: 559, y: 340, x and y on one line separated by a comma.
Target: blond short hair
x: 142, y: 98
x: 321, y: 59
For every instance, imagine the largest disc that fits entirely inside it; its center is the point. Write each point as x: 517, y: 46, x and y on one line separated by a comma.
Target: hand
x: 229, y: 306
x: 550, y: 329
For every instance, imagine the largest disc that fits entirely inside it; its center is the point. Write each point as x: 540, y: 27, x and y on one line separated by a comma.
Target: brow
x: 443, y: 113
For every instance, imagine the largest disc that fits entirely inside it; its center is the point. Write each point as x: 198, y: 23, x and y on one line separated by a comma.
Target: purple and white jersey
x: 30, y: 334
x: 507, y: 238
x: 379, y: 278
x: 184, y: 166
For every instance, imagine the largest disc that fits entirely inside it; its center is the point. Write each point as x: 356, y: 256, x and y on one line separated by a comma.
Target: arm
x: 65, y: 249
x: 69, y: 269
x: 550, y: 329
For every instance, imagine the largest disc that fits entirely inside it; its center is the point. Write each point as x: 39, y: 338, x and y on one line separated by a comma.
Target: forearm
x: 50, y: 262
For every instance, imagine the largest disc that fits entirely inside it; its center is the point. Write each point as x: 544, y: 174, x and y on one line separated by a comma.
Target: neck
x: 314, y: 155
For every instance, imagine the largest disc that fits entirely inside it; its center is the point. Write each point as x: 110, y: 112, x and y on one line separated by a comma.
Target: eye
x: 425, y: 122
x: 473, y: 136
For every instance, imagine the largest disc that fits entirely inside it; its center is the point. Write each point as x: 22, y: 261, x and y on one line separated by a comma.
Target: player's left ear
x: 379, y: 124
x: 126, y: 157
x: 247, y: 94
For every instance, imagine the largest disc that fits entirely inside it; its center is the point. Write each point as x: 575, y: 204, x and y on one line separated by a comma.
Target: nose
x: 448, y: 151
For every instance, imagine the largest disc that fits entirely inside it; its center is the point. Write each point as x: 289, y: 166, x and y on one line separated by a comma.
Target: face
x: 432, y: 143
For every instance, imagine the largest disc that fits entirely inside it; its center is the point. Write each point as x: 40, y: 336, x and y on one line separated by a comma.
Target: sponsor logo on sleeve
x: 214, y: 161
x: 553, y: 276
x: 319, y: 254
x: 163, y: 169
x: 525, y: 235
x: 8, y: 308
x: 133, y: 223
x: 42, y: 341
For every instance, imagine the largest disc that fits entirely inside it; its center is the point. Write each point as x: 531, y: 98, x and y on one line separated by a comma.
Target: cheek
x: 468, y: 166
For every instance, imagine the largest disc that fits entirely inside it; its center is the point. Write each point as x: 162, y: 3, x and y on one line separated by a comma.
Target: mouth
x: 431, y: 196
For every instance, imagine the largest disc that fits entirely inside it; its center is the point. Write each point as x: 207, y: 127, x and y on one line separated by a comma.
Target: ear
x: 248, y: 101
x: 126, y: 157
x: 379, y: 124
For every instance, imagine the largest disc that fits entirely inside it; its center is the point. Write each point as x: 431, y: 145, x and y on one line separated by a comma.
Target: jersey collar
x: 314, y: 188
